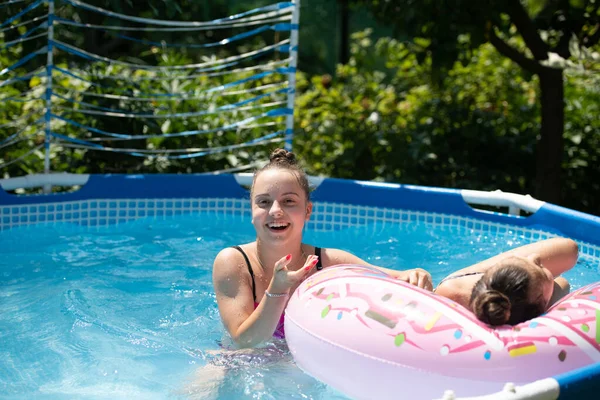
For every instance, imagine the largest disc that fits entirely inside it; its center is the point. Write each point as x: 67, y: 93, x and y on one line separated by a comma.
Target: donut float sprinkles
x: 371, y: 336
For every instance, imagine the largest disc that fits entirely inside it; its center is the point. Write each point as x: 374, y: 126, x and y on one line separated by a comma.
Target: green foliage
x: 582, y: 147
x: 539, y: 36
x: 477, y: 130
x: 445, y: 23
x: 386, y: 115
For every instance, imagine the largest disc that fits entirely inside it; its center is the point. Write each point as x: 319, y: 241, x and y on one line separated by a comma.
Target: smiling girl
x: 253, y: 281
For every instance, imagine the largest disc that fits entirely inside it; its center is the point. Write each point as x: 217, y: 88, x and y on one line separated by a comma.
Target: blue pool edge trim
x: 549, y: 217
x: 582, y: 383
x: 125, y: 186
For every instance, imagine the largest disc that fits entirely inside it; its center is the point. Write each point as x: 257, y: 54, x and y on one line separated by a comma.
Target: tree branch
x: 562, y: 47
x: 518, y: 15
x: 567, y: 29
x: 508, y: 51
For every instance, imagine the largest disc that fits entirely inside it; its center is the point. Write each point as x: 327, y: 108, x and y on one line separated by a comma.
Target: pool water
x: 128, y: 311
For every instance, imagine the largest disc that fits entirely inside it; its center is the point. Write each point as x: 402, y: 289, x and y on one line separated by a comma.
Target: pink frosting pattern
x: 367, y: 312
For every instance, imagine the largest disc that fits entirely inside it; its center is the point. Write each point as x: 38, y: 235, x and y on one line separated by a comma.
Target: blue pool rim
x: 551, y: 219
x: 582, y: 383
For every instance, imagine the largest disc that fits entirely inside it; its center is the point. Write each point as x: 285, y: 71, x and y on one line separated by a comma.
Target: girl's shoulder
x: 458, y: 287
x: 232, y: 258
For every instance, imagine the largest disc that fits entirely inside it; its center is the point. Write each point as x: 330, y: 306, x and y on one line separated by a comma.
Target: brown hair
x: 283, y: 159
x: 502, y: 296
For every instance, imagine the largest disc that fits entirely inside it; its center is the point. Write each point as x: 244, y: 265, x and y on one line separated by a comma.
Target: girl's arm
x: 557, y: 254
x: 418, y: 276
x: 233, y: 287
x: 247, y: 326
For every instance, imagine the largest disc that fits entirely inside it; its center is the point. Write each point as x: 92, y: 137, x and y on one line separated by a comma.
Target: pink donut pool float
x: 373, y: 337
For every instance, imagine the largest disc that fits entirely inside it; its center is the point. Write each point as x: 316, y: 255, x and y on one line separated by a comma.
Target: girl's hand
x: 284, y: 279
x: 418, y: 277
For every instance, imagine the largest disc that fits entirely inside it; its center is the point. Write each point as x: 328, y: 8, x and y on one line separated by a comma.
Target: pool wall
x: 109, y: 199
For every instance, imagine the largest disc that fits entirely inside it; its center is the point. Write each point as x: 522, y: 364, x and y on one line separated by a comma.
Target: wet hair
x: 286, y: 160
x: 503, y: 296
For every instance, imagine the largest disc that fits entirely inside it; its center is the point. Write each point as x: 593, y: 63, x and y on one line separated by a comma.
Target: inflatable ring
x: 373, y: 337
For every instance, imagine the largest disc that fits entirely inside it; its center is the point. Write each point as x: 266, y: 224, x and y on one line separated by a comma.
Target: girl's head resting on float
x: 281, y: 159
x: 515, y: 290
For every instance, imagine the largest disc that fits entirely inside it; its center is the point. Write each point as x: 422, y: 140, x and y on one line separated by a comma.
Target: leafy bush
x: 384, y: 116
x: 476, y: 130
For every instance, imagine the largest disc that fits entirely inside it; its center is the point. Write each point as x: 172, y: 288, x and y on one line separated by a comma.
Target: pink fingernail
x: 288, y: 257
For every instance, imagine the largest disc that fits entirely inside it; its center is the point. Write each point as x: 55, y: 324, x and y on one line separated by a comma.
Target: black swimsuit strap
x: 249, y: 270
x: 318, y: 254
x: 450, y: 277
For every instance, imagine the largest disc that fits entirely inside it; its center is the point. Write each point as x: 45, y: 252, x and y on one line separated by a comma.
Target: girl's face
x: 279, y: 206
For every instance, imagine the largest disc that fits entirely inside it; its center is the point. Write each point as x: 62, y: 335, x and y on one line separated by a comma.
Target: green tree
x: 382, y: 118
x: 538, y: 35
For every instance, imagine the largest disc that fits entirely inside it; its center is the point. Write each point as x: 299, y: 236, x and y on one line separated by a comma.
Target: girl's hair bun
x: 282, y: 156
x: 492, y: 307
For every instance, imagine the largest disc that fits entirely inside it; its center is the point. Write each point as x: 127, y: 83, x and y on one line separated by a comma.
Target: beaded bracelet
x: 275, y: 294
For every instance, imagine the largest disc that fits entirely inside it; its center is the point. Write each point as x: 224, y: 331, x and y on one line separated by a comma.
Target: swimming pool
x: 118, y: 302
